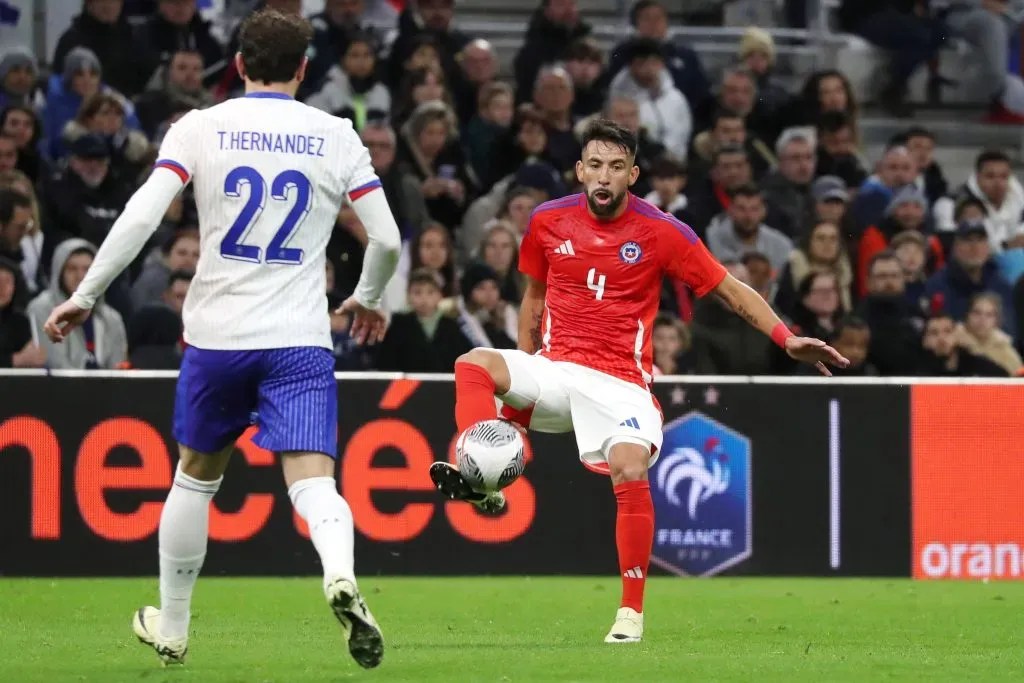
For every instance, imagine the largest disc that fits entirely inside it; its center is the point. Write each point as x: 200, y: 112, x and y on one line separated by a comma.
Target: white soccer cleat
x: 146, y: 624
x: 628, y: 627
x: 365, y: 641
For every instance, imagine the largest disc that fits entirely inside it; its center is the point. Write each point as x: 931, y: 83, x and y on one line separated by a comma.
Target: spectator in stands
x: 728, y: 128
x: 430, y: 147
x: 738, y: 93
x: 492, y: 119
x: 1000, y: 194
x: 671, y: 341
x: 905, y: 30
x: 789, y: 186
x: 525, y: 142
x: 819, y: 250
x: 555, y: 25
x: 971, y: 270
x: 17, y: 348
x: 826, y: 92
x: 943, y: 358
x: 650, y: 20
x: 669, y: 179
x: 553, y: 98
x: 85, y: 198
x: 921, y: 144
x: 15, y: 221
x: 989, y: 26
x: 516, y: 210
x: 742, y: 229
x: 896, y: 171
x: 500, y: 251
x: 708, y: 199
x: 431, y: 19
x: 177, y: 27
x: 852, y: 339
x: 757, y: 55
x: 401, y: 187
x: 18, y: 74
x: 895, y: 325
x: 484, y: 318
x: 102, y: 114
x: 178, y: 84
x: 980, y: 334
x: 432, y: 249
x: 421, y: 85
x: 911, y: 248
x: 100, y: 342
x: 422, y: 340
x: 179, y: 253
x: 21, y: 124
x: 830, y: 206
x: 723, y: 343
x: 818, y: 308
x: 760, y: 273
x: 32, y: 242
x: 8, y: 154
x: 626, y: 113
x: 154, y: 335
x: 907, y: 211
x: 332, y: 29
x: 80, y: 81
x: 585, y: 63
x: 478, y: 66
x: 348, y: 355
x: 351, y: 89
x: 837, y: 150
x: 102, y: 30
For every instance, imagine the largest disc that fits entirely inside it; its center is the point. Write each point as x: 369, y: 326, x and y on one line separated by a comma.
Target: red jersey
x: 604, y: 280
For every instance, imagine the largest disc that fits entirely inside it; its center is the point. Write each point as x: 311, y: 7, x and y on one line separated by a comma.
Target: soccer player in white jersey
x: 270, y: 175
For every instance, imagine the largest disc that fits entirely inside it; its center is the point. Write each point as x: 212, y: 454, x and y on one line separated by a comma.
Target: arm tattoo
x: 746, y: 315
x: 535, y: 337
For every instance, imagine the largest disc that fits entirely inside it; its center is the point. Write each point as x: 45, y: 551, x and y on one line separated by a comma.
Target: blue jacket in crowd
x: 956, y: 290
x: 62, y: 105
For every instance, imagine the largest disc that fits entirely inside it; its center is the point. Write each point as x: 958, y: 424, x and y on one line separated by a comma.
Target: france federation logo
x: 702, y: 500
x: 630, y: 252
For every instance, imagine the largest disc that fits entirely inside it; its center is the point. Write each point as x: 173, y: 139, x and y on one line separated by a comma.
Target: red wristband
x: 780, y: 333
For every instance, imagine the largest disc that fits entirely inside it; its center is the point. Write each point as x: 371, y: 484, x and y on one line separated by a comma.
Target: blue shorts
x: 290, y: 394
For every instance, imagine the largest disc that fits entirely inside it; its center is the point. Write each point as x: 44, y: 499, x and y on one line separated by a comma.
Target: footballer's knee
x: 493, y: 363
x: 204, y: 466
x: 628, y: 462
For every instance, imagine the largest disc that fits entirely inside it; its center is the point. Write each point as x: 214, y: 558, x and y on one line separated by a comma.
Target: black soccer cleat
x: 453, y: 487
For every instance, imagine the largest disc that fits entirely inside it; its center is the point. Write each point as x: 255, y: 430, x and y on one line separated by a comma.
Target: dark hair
x: 834, y: 121
x: 812, y: 100
x: 850, y: 322
x: 514, y: 193
x: 177, y: 235
x: 37, y: 126
x: 603, y: 130
x: 364, y: 37
x: 884, y: 255
x: 639, y: 6
x: 746, y: 190
x: 96, y: 102
x: 10, y: 200
x: 990, y: 155
x: 447, y: 272
x: 424, y: 276
x: 964, y: 203
x: 584, y: 50
x: 724, y: 113
x: 403, y: 104
x: 918, y: 132
x: 273, y: 45
x: 667, y: 166
x: 941, y: 314
x: 179, y: 276
x: 808, y: 282
x: 726, y: 151
x: 752, y: 256
x: 643, y: 48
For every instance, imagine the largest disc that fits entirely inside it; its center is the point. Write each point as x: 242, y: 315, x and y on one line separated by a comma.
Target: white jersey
x: 269, y: 174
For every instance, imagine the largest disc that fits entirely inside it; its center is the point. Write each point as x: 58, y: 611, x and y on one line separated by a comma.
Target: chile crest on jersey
x: 630, y: 252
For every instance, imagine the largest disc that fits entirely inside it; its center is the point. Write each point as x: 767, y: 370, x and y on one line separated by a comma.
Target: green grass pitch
x: 527, y: 629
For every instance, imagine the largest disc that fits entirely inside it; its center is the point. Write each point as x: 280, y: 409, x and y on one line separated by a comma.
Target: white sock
x: 330, y: 524
x: 184, y: 528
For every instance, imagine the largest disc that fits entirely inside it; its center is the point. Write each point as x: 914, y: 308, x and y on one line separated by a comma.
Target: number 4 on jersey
x: 595, y: 283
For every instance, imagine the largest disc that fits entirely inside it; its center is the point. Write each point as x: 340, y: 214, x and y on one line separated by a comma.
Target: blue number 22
x: 232, y: 247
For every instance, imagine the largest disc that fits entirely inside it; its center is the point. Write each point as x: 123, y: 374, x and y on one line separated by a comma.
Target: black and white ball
x: 490, y: 455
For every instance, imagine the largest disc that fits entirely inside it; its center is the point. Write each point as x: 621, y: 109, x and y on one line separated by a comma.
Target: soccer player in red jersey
x: 594, y: 264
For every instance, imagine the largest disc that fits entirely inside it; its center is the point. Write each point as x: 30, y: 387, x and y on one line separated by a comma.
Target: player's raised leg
x: 184, y: 530
x: 634, y: 535
x: 314, y: 493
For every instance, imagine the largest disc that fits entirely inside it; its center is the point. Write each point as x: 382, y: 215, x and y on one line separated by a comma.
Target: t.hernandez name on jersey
x: 702, y: 499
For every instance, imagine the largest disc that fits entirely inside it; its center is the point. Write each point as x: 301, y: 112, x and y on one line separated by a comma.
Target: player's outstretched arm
x: 749, y: 305
x: 531, y: 315
x: 133, y: 228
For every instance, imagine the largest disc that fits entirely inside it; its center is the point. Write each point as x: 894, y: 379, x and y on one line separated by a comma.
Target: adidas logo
x: 566, y: 248
x: 634, y: 573
x: 631, y: 422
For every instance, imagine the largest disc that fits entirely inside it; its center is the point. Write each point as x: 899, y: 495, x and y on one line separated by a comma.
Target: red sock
x: 474, y: 396
x: 634, y: 538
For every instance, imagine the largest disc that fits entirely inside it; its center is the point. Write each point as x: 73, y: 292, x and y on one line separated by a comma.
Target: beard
x: 605, y: 210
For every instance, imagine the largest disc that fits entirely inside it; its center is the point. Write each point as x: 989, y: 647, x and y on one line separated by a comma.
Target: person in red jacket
x: 907, y: 211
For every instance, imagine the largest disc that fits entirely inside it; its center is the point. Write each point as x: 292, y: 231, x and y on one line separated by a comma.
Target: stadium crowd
x: 902, y: 273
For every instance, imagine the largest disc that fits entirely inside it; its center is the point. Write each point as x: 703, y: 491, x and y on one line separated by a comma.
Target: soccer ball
x: 490, y: 455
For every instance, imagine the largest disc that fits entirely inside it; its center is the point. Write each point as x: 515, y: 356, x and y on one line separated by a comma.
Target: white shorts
x: 601, y: 409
